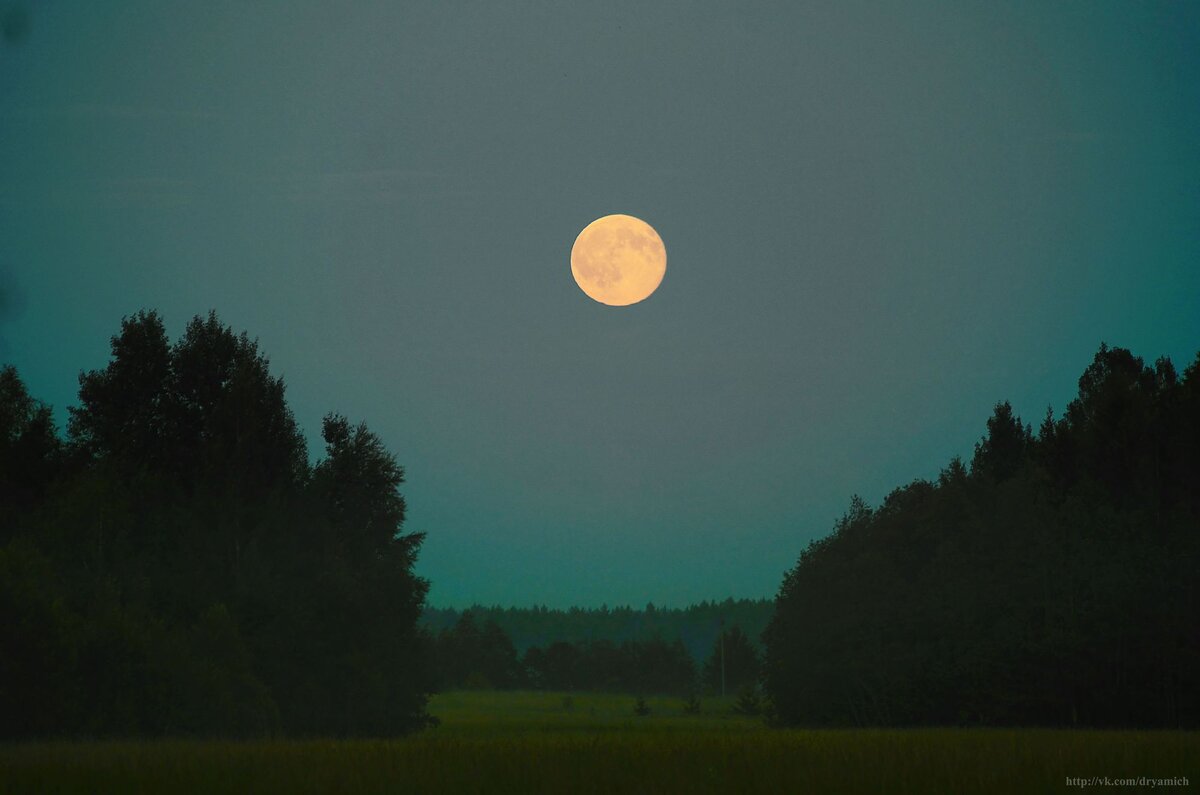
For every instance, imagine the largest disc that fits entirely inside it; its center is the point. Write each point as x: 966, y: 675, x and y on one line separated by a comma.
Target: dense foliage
x: 732, y: 664
x: 176, y: 566
x: 478, y: 654
x: 648, y: 666
x: 696, y: 626
x: 1051, y: 582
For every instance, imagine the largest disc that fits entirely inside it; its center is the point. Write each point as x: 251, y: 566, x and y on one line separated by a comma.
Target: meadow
x: 523, y: 742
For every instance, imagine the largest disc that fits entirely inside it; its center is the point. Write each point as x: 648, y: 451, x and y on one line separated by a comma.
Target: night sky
x: 879, y: 221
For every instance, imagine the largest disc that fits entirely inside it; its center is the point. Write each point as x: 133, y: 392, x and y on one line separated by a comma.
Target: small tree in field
x: 748, y: 702
x: 641, y: 709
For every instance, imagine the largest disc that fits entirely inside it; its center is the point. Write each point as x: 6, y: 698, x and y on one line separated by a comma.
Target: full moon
x: 618, y: 260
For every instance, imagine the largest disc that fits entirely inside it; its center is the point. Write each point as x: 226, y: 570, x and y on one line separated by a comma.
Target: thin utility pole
x: 722, y: 658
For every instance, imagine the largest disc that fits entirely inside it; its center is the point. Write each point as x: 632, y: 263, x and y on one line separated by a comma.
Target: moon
x: 618, y: 260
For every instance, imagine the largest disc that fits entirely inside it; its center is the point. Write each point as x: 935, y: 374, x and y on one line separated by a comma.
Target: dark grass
x: 555, y: 743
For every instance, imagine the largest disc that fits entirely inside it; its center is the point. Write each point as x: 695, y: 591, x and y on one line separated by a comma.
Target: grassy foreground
x: 584, y: 743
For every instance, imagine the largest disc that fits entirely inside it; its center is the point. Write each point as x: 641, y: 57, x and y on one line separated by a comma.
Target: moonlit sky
x: 879, y: 221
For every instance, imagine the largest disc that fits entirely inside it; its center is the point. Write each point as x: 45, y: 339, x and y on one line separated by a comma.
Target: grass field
x: 493, y: 742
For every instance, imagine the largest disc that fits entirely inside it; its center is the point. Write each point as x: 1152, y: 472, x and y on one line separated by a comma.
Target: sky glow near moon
x: 618, y: 260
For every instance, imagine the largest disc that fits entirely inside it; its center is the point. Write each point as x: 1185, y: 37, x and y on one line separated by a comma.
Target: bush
x: 748, y: 702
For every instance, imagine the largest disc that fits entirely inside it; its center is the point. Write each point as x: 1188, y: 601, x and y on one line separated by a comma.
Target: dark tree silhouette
x: 473, y: 655
x: 741, y: 663
x: 1053, y: 584
x: 1002, y: 453
x: 30, y: 452
x: 182, y: 565
x: 653, y: 666
x: 696, y: 626
x: 555, y: 667
x: 125, y: 409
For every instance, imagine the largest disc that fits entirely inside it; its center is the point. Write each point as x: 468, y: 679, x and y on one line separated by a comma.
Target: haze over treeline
x: 176, y: 565
x: 697, y: 626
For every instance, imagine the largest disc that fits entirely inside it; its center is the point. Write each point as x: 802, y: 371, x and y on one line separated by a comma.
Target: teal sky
x: 880, y: 220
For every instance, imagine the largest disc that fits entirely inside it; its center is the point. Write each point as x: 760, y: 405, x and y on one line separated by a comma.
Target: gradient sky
x: 879, y: 220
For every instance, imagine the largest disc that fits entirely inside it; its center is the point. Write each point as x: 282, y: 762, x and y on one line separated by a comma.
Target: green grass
x: 487, y: 713
x: 540, y: 743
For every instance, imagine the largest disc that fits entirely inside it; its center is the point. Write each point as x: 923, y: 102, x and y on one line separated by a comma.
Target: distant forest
x: 476, y: 653
x: 175, y: 565
x: 696, y: 626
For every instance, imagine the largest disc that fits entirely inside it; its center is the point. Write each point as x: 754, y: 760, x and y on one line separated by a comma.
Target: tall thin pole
x: 722, y: 658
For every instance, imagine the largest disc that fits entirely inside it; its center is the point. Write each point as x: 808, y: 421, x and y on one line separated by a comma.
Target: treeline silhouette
x: 1051, y: 582
x: 696, y: 626
x: 176, y: 566
x: 476, y: 653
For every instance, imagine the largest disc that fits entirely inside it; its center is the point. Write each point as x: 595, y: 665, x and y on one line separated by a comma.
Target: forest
x: 696, y: 626
x: 176, y: 565
x: 476, y: 653
x: 1052, y: 581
